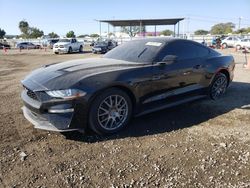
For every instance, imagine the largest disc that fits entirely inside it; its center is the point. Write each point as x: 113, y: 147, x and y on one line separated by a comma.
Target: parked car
x: 67, y: 45
x: 27, y: 45
x: 229, y: 41
x: 135, y: 78
x: 104, y: 46
x: 3, y: 45
x: 242, y: 44
x: 50, y: 43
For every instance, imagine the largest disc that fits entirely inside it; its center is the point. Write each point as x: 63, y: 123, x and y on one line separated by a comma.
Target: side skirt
x: 168, y: 105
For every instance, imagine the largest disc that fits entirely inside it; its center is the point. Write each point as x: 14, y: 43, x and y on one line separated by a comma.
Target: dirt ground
x: 201, y: 144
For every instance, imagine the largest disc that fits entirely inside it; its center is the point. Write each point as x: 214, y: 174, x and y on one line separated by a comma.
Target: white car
x: 242, y: 44
x: 230, y: 41
x: 67, y: 46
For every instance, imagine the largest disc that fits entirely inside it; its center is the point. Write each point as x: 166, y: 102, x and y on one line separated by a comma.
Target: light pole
x: 240, y: 21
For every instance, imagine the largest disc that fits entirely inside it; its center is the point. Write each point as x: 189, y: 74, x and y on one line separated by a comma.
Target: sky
x: 61, y: 16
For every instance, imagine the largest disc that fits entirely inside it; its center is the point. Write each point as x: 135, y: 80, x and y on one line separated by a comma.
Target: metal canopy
x: 144, y: 22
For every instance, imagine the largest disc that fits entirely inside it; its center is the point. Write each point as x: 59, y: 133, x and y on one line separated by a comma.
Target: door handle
x: 197, y: 66
x: 186, y: 73
x: 158, y: 77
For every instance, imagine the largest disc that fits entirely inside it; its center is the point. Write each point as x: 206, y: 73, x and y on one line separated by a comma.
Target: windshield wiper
x: 142, y: 52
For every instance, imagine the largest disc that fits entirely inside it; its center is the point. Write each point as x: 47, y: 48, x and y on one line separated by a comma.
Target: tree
x: 29, y: 32
x: 35, y: 33
x: 243, y: 31
x: 70, y: 34
x: 222, y: 28
x: 201, y: 32
x: 167, y: 32
x: 24, y: 28
x: 133, y: 30
x: 2, y: 33
x: 53, y: 35
x: 94, y: 35
x: 83, y: 36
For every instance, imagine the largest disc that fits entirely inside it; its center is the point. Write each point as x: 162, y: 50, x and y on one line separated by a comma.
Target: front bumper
x: 60, y: 50
x: 99, y: 50
x: 49, y: 122
x: 55, y: 115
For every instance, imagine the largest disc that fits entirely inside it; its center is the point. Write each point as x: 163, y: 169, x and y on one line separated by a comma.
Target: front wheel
x: 218, y: 86
x: 224, y: 45
x: 70, y: 50
x: 110, y: 111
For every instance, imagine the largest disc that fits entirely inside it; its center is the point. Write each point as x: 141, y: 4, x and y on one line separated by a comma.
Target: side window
x: 183, y: 50
x: 230, y: 38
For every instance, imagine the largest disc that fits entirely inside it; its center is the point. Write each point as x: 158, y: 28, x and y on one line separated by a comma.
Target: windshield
x: 100, y: 44
x: 140, y: 51
x: 64, y: 40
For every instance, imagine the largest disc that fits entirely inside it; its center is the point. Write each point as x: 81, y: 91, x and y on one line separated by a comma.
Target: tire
x: 56, y: 53
x: 110, y: 111
x: 224, y: 45
x: 218, y: 86
x: 70, y: 50
x: 81, y: 49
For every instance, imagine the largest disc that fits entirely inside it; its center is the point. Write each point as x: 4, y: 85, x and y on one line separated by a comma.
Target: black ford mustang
x: 135, y: 78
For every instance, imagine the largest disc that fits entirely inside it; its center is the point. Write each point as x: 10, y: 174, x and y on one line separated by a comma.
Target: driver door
x: 179, y: 76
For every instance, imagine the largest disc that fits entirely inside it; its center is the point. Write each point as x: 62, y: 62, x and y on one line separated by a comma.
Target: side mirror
x: 169, y: 59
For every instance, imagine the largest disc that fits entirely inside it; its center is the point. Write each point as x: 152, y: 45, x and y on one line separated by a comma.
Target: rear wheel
x: 81, y: 49
x: 218, y: 86
x: 238, y: 47
x: 110, y: 111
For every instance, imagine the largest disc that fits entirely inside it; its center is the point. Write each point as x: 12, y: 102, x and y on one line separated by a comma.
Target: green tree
x: 222, y: 28
x: 201, y: 32
x: 83, y: 36
x: 133, y: 30
x: 243, y: 31
x: 35, y: 32
x: 94, y: 35
x: 2, y: 33
x: 70, y: 34
x: 167, y: 32
x: 24, y: 28
x: 53, y: 35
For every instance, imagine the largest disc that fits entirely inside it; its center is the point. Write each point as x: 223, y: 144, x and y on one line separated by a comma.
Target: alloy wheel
x: 112, y: 112
x: 219, y: 87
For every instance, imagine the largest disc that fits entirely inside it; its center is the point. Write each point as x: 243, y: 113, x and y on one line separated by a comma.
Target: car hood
x: 65, y: 75
x: 62, y: 43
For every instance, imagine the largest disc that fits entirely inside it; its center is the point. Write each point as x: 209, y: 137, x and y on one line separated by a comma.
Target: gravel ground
x: 201, y: 144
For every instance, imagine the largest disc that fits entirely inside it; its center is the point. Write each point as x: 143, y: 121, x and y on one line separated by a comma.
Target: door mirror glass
x: 168, y: 59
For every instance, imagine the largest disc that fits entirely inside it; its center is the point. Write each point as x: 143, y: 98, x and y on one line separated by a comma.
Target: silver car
x: 229, y: 41
x: 27, y: 45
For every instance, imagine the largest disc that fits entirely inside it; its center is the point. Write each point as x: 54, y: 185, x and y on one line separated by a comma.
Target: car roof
x: 166, y: 40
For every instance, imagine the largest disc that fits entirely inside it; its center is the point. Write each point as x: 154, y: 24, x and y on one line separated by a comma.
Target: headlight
x: 66, y: 94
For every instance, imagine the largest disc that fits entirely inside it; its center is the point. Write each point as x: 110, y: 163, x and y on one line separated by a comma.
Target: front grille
x: 31, y: 94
